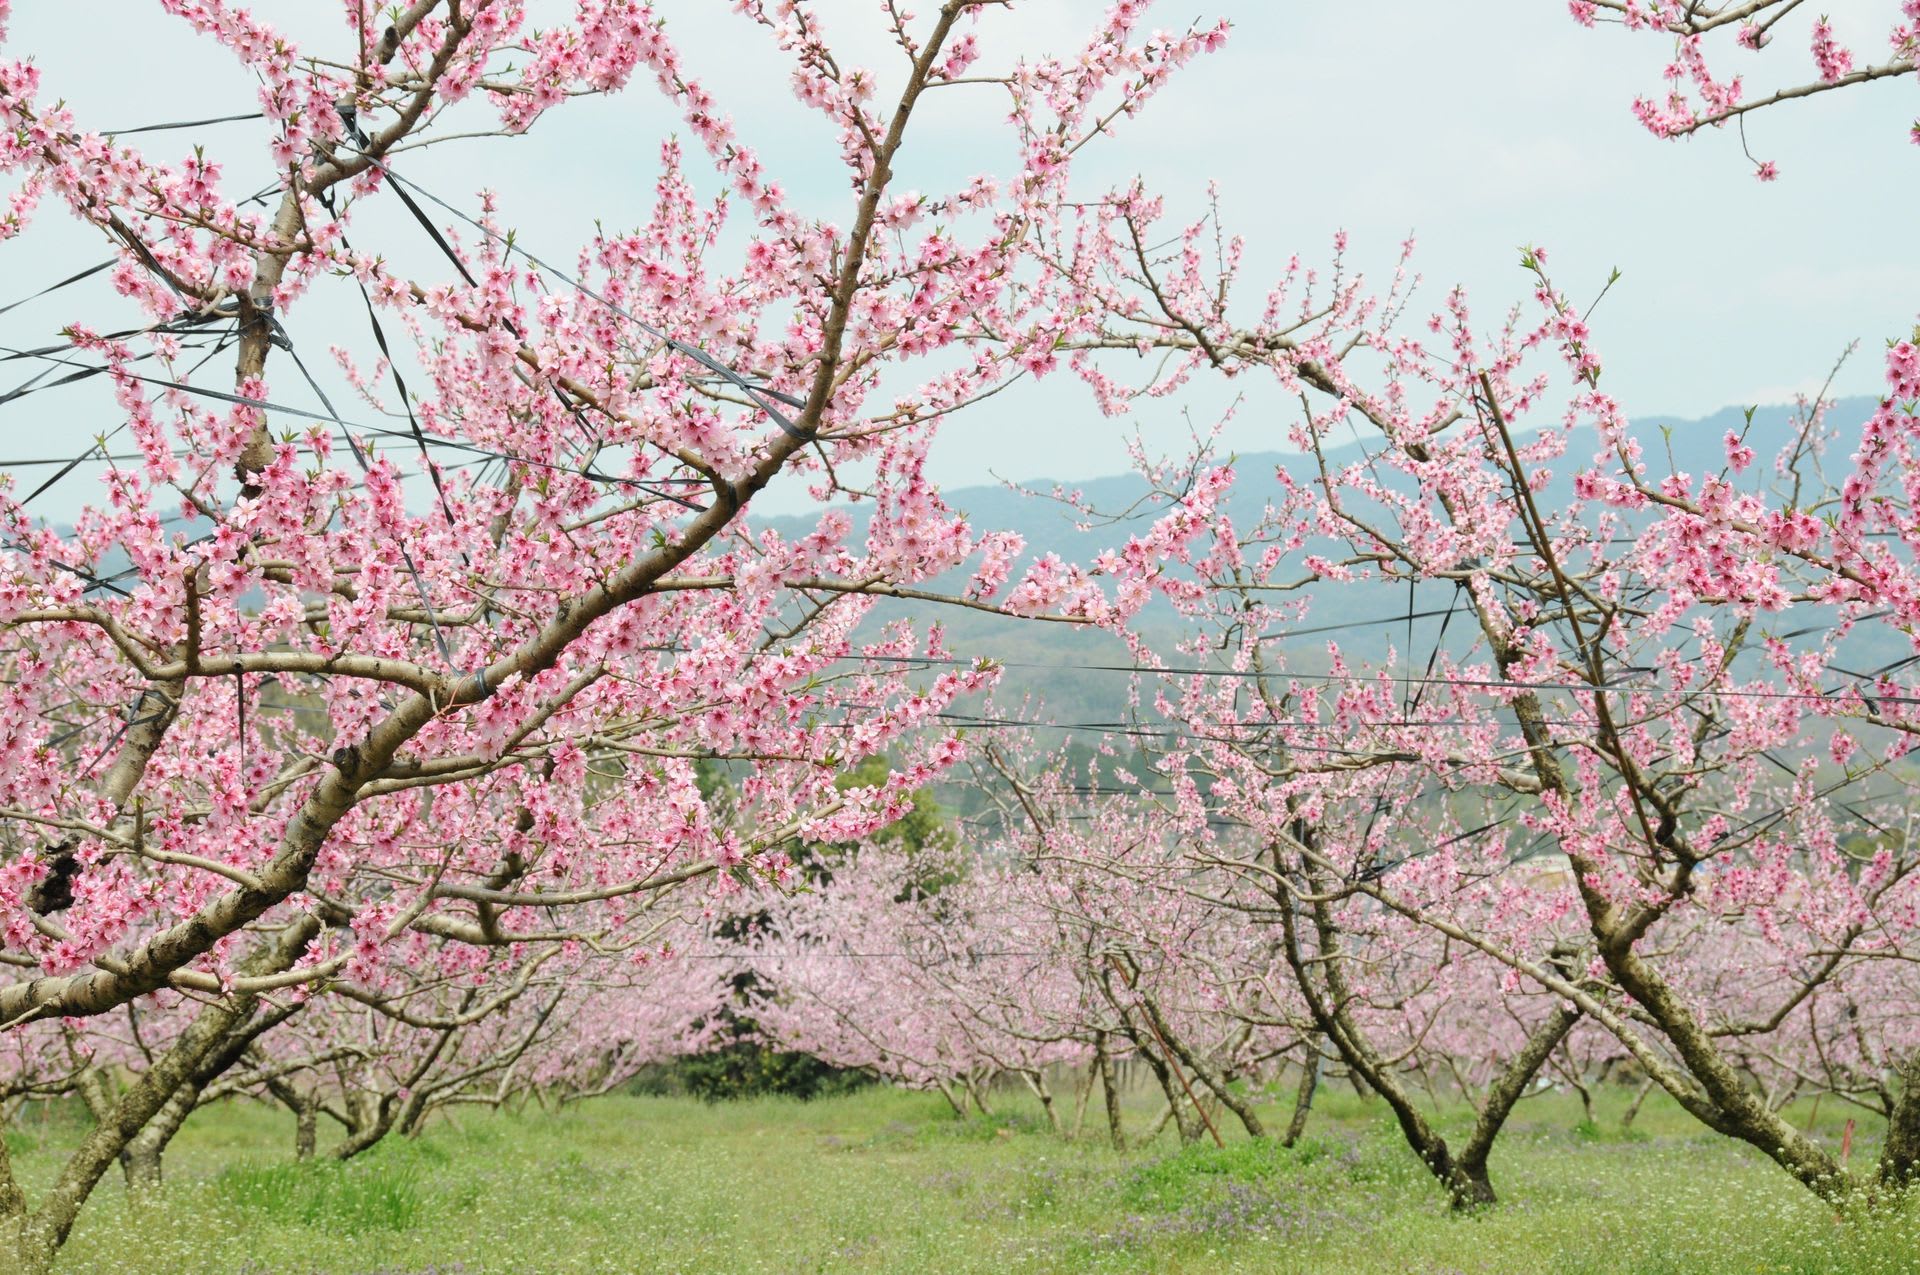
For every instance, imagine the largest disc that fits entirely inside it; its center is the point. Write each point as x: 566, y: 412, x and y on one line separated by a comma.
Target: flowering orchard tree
x: 423, y: 1036
x: 862, y: 974
x: 1174, y: 977
x: 273, y: 716
x: 1657, y: 693
x: 1284, y: 956
x: 1110, y: 925
x: 1852, y: 545
x: 1037, y: 957
x: 563, y: 1026
x: 1697, y: 97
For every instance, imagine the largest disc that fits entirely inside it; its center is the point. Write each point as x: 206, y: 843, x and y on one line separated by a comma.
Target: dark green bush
x: 747, y: 1069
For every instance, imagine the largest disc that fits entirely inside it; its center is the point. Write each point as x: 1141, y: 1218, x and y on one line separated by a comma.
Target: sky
x: 1473, y: 127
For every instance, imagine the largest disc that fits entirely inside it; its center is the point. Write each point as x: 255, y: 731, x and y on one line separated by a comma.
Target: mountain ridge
x: 1052, y: 663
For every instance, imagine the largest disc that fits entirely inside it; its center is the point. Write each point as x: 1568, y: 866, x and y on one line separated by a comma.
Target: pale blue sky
x: 1477, y: 127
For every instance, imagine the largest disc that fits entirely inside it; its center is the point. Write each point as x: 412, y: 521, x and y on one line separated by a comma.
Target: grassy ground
x: 888, y: 1181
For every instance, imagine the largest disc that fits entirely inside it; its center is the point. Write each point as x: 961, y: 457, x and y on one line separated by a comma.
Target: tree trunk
x: 1465, y: 1175
x: 13, y: 1202
x: 371, y: 1119
x: 413, y: 1121
x: 1208, y: 1076
x: 39, y: 1233
x: 1185, y: 1121
x: 1081, y: 1092
x: 1580, y: 1086
x: 96, y: 1091
x: 306, y: 1129
x: 142, y: 1161
x: 1332, y: 1016
x: 1303, y: 1097
x: 1721, y: 1100
x: 1471, y: 1187
x: 1037, y: 1082
x: 1116, y: 1130
x: 1166, y: 1067
x: 1633, y: 1108
x: 141, y: 1165
x: 1727, y: 1105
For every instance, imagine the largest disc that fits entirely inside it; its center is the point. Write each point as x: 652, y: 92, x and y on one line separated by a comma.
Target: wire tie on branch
x: 280, y: 338
x: 757, y: 394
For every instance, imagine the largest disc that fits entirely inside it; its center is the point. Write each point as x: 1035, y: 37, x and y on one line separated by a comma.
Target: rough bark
x: 1736, y: 1109
x: 1900, y: 1157
x: 306, y: 1129
x: 143, y: 1159
x: 37, y: 1234
x: 13, y: 1202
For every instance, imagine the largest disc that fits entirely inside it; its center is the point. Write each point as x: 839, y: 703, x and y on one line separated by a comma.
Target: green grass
x: 354, y: 1199
x: 887, y: 1181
